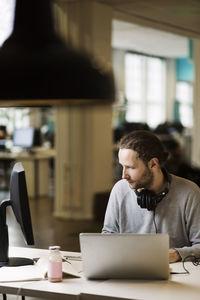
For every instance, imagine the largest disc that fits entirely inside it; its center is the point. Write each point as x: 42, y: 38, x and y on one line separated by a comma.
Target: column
x: 83, y: 133
x: 196, y: 111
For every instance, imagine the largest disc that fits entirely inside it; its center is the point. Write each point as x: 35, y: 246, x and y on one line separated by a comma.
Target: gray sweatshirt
x: 178, y: 214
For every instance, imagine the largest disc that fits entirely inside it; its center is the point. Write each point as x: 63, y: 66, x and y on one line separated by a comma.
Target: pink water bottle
x: 55, y: 264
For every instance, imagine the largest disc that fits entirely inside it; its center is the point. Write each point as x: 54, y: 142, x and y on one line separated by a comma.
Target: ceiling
x: 178, y: 16
x: 156, y: 27
x: 147, y: 40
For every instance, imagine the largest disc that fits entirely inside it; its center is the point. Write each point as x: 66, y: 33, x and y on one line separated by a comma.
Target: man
x: 149, y: 200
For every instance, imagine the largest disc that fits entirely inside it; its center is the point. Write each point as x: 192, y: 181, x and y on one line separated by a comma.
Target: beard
x: 145, y: 181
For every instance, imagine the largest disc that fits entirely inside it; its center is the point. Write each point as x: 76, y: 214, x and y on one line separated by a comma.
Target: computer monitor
x: 20, y: 206
x: 23, y: 137
x: 3, y: 134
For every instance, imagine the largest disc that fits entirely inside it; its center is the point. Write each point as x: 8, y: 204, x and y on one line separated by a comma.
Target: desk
x: 179, y: 286
x: 37, y: 170
x: 69, y: 289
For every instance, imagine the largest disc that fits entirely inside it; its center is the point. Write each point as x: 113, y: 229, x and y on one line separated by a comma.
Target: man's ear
x: 153, y: 163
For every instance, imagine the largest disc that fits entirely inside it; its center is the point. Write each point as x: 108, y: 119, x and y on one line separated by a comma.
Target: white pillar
x: 196, y: 129
x: 170, y: 89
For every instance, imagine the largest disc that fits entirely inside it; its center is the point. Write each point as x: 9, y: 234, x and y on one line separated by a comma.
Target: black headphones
x: 147, y: 199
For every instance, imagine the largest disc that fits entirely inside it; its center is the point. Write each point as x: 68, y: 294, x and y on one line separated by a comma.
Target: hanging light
x: 38, y: 69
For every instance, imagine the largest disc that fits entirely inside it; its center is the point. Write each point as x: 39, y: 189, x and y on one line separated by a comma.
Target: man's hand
x: 173, y: 256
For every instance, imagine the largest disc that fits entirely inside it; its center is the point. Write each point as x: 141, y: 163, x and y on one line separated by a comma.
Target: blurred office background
x: 70, y: 153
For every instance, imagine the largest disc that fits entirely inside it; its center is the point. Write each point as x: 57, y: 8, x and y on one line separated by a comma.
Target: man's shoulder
x: 184, y: 184
x: 181, y: 180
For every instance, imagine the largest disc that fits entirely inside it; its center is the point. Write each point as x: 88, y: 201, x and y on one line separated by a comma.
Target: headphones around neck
x: 147, y: 199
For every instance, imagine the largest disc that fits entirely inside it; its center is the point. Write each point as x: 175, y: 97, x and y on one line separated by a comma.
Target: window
x: 14, y: 117
x: 145, y: 89
x: 184, y: 97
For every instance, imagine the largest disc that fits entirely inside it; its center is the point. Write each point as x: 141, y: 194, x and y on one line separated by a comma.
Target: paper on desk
x: 36, y: 272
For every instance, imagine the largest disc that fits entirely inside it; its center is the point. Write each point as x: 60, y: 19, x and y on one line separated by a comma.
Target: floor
x: 47, y: 229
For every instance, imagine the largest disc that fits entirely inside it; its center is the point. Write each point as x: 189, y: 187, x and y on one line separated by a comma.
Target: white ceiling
x: 148, y: 40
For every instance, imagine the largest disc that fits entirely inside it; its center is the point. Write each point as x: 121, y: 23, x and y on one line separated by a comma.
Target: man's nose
x: 124, y: 173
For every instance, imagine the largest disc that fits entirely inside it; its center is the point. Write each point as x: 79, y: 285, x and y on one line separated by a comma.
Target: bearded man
x: 149, y: 200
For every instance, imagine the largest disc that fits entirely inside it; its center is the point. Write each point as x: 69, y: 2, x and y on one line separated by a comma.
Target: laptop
x: 129, y: 256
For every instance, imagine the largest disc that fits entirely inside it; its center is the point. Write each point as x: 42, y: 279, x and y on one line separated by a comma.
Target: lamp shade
x: 38, y: 69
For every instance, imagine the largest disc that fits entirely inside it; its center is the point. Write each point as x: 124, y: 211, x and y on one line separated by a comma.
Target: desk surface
x: 179, y: 286
x: 69, y: 288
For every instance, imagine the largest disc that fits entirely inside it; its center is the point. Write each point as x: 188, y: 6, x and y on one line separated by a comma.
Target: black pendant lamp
x: 37, y: 69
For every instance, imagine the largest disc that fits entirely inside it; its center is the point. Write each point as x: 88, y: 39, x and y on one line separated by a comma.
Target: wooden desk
x: 179, y: 286
x: 37, y: 169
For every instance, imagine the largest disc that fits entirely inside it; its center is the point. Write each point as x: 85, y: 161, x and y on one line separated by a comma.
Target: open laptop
x: 133, y: 256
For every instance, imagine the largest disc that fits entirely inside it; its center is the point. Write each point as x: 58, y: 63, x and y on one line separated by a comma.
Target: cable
x: 154, y: 220
x: 195, y: 260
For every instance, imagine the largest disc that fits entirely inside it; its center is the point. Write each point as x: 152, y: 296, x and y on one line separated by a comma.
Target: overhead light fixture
x: 38, y: 69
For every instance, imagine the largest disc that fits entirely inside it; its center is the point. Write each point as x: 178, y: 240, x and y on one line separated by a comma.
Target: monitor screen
x: 20, y: 206
x: 23, y: 137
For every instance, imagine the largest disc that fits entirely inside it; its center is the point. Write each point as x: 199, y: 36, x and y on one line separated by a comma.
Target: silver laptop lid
x: 136, y: 256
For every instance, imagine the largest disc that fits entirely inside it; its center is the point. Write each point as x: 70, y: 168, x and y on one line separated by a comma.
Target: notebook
x: 130, y: 256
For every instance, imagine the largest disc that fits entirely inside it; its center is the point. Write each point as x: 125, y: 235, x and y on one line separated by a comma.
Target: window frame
x: 144, y: 103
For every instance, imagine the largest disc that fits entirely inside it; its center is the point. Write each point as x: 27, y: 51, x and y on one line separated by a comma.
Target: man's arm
x: 111, y: 220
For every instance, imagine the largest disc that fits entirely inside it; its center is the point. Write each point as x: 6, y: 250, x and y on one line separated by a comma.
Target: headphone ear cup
x: 141, y: 200
x: 146, y: 199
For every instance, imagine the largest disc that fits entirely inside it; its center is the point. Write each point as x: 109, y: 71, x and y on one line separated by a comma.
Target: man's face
x: 135, y: 171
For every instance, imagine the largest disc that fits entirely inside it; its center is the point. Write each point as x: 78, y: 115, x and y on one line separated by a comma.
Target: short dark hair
x: 146, y: 144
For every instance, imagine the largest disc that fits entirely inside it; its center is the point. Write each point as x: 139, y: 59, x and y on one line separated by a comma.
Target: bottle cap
x: 54, y: 247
